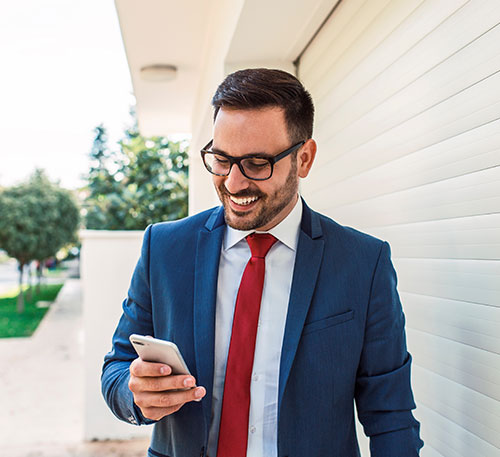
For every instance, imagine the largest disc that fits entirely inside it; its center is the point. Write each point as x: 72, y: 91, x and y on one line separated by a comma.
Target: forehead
x: 236, y: 127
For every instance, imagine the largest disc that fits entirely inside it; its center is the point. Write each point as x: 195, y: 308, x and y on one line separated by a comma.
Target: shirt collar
x: 287, y: 231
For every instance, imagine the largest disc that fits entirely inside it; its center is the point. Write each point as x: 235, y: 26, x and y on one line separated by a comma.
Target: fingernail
x: 189, y: 382
x: 163, y: 370
x: 199, y: 392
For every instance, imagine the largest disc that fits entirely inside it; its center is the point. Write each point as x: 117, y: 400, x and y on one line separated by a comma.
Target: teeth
x: 243, y: 201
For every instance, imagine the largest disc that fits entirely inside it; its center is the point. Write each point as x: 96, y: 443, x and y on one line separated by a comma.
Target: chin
x: 239, y: 224
x: 240, y: 221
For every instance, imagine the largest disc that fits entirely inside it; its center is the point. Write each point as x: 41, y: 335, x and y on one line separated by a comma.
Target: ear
x: 305, y: 157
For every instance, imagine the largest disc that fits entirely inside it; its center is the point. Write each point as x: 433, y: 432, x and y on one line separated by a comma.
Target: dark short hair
x: 256, y: 88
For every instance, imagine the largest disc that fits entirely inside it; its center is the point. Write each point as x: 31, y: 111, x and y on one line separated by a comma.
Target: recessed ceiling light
x: 159, y: 72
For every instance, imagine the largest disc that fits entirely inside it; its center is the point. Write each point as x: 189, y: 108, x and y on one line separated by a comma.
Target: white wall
x: 221, y: 23
x: 108, y: 259
x: 408, y: 127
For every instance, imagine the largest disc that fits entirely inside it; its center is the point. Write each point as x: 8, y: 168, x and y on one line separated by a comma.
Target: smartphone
x: 152, y: 349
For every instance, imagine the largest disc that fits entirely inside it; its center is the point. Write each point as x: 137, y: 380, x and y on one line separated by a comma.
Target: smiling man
x: 285, y: 318
x: 259, y: 140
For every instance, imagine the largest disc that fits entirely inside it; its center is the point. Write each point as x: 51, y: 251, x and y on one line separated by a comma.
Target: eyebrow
x: 252, y: 154
x: 218, y: 150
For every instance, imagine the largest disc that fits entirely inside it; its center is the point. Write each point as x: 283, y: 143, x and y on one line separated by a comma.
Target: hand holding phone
x: 159, y: 378
x: 152, y: 349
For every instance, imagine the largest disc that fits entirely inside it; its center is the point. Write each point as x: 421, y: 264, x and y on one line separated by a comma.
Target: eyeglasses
x: 258, y: 167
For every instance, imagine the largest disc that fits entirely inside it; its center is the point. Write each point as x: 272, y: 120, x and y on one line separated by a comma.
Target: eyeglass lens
x: 253, y: 167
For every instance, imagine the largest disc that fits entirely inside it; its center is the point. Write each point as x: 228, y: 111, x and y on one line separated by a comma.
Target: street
x: 9, y: 275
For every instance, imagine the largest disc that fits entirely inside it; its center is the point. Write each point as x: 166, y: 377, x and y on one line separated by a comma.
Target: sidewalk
x: 41, y: 394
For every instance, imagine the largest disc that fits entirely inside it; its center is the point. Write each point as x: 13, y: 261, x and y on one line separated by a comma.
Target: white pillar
x: 108, y: 259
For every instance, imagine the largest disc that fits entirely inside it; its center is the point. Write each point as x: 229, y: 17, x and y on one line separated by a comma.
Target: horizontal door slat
x: 477, y: 369
x: 473, y: 281
x: 449, y: 438
x: 469, y: 409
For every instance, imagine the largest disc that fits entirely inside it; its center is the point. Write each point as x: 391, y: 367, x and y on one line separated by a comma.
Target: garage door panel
x: 474, y: 281
x: 385, y: 129
x: 408, y: 128
x: 455, y: 197
x: 414, y: 170
x: 471, y: 367
x: 473, y: 238
x: 367, y: 84
x: 464, y: 310
x: 453, y: 319
x: 351, y: 20
x: 372, y: 35
x: 464, y: 69
x: 449, y: 438
x: 464, y: 406
x: 431, y: 130
x: 482, y: 251
x: 443, y: 156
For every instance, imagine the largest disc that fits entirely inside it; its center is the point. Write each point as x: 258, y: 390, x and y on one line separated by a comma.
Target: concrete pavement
x: 41, y: 389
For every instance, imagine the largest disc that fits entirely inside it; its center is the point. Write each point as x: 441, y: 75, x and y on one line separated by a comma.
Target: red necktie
x: 233, y: 431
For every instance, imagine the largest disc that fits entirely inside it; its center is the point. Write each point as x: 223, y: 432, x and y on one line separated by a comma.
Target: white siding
x: 408, y: 127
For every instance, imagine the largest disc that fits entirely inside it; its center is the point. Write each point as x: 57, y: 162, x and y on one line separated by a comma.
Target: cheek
x: 269, y: 190
x: 279, y: 181
x: 217, y: 181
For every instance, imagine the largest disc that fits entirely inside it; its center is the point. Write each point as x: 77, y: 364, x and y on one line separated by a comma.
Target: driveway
x: 42, y: 389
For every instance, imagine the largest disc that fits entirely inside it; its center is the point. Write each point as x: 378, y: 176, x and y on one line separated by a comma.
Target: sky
x: 63, y: 71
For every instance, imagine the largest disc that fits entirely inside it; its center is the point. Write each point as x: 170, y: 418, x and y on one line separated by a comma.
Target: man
x: 281, y: 331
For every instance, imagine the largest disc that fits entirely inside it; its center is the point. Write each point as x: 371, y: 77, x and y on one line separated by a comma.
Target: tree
x: 37, y: 218
x: 146, y: 181
x: 101, y: 184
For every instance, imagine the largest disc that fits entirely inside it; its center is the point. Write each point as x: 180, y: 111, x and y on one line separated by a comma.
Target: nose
x: 235, y: 181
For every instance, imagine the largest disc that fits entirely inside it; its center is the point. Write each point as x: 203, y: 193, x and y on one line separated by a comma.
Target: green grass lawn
x: 13, y: 324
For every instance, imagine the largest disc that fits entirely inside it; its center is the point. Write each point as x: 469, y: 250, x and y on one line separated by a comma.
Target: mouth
x: 242, y: 204
x: 243, y: 201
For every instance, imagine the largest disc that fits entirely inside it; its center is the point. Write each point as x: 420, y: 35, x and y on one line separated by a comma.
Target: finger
x: 173, y: 382
x: 173, y: 398
x: 160, y: 383
x: 141, y: 368
x: 168, y: 399
x: 159, y: 413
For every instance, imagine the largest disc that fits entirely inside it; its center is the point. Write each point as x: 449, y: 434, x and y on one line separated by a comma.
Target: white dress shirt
x: 235, y: 253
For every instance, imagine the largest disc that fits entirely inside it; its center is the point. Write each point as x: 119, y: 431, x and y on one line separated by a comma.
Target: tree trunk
x: 39, y: 271
x: 29, y: 291
x: 20, y: 297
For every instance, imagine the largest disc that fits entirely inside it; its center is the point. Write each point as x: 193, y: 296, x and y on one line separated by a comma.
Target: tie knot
x: 260, y: 243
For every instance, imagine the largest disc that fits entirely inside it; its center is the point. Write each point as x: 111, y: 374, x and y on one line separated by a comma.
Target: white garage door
x: 407, y: 95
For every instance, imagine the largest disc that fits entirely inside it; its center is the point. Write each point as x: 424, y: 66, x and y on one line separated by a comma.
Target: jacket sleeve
x: 136, y: 318
x: 383, y: 394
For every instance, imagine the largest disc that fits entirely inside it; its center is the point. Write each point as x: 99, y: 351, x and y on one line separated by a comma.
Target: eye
x: 220, y: 160
x: 255, y: 163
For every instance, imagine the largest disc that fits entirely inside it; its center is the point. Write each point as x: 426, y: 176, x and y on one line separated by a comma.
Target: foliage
x: 13, y: 324
x: 37, y: 218
x: 146, y: 181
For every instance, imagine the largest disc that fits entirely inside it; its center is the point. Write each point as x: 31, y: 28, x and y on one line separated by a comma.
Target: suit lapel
x: 205, y: 296
x: 305, y: 274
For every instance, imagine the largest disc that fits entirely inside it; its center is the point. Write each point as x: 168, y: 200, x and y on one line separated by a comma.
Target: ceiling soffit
x: 178, y: 33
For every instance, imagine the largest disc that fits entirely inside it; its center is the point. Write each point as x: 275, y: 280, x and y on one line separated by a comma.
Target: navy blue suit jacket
x: 344, y: 339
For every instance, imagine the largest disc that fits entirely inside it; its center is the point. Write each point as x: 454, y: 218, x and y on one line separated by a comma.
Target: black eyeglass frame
x: 237, y: 160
